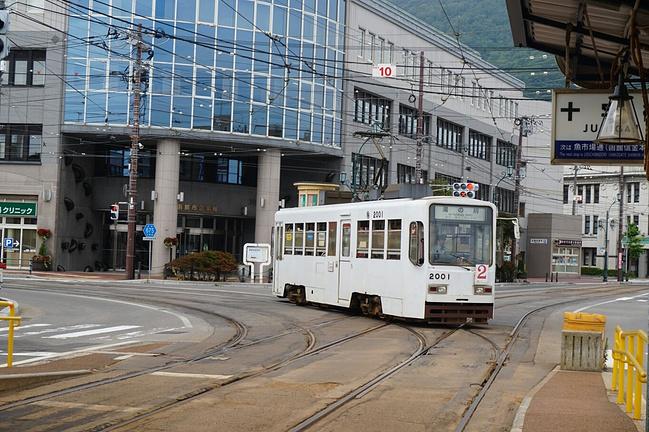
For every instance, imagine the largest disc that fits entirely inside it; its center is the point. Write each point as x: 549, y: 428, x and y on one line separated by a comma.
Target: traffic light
x: 4, y: 28
x: 114, y: 212
x: 465, y: 190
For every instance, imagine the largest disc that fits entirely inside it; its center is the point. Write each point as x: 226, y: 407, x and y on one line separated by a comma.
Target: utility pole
x: 620, y: 226
x: 574, y: 191
x: 136, y: 40
x: 420, y: 121
x: 522, y: 130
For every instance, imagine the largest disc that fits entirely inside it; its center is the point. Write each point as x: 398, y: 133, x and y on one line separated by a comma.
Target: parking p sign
x: 8, y: 242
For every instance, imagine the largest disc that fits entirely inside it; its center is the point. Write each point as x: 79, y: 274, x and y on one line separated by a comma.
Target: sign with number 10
x: 384, y: 70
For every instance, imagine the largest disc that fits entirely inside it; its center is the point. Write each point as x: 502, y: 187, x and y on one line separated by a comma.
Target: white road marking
x: 30, y: 354
x: 58, y: 329
x: 123, y: 357
x: 186, y: 322
x: 190, y: 375
x: 92, y: 332
x: 22, y: 327
x: 611, y: 301
x: 643, y: 300
x: 90, y: 407
x: 72, y: 353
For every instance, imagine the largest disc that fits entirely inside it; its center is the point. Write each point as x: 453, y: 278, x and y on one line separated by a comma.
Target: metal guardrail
x: 628, y: 370
x: 13, y: 321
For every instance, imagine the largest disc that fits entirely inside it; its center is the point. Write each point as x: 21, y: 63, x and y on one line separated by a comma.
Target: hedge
x: 207, y: 265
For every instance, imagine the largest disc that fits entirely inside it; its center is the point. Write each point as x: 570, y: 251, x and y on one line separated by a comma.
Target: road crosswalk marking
x: 4, y: 329
x: 92, y: 332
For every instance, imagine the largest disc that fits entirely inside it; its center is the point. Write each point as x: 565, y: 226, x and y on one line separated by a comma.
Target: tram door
x: 345, y: 272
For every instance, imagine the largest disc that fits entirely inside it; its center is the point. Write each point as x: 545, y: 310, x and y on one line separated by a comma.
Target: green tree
x: 440, y: 187
x: 633, y: 241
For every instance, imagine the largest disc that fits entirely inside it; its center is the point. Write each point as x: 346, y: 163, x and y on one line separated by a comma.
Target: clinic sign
x: 576, y: 118
x: 17, y: 209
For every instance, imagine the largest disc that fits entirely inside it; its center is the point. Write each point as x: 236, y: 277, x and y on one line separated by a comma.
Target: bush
x: 595, y: 271
x: 208, y: 265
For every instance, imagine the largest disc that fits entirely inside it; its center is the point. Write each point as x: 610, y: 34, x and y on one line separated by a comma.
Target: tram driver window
x: 310, y: 239
x: 363, y: 239
x: 299, y: 239
x: 394, y: 239
x: 288, y: 239
x: 416, y: 249
x: 378, y: 239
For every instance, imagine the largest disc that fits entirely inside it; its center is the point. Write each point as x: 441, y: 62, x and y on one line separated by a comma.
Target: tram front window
x: 460, y: 235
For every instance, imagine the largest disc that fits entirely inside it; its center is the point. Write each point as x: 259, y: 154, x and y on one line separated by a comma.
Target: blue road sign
x: 149, y: 230
x: 9, y: 242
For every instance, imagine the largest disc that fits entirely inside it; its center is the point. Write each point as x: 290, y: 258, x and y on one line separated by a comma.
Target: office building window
x: 21, y: 142
x: 408, y: 118
x: 504, y: 200
x: 505, y: 153
x: 595, y: 224
x: 362, y: 41
x: 449, y: 135
x: 368, y: 171
x: 565, y: 193
x: 596, y: 194
x: 406, y: 174
x: 25, y: 68
x: 479, y: 145
x: 369, y: 108
x: 587, y: 224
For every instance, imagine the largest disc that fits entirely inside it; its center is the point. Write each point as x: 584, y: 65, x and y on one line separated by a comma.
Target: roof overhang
x: 596, y: 31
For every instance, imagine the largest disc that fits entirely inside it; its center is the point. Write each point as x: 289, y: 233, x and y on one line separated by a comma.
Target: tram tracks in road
x: 504, y: 355
x: 422, y: 349
x: 234, y: 343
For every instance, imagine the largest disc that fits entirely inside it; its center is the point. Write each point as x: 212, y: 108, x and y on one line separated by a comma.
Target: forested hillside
x: 484, y: 26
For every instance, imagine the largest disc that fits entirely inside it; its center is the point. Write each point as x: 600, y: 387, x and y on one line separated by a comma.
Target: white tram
x: 431, y: 259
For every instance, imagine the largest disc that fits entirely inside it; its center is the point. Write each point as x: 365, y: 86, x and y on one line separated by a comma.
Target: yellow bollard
x: 13, y: 320
x: 629, y: 375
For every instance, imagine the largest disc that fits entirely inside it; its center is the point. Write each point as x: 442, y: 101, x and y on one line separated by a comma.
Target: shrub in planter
x: 207, y: 265
x: 41, y: 262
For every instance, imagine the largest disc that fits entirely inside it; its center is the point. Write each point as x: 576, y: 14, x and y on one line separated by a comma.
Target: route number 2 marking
x: 481, y: 272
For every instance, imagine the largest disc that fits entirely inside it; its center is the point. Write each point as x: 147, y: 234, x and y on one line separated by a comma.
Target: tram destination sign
x: 576, y: 117
x: 18, y: 209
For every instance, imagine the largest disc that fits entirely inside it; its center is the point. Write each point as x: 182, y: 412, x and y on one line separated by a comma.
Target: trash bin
x: 582, y: 341
x: 579, y: 321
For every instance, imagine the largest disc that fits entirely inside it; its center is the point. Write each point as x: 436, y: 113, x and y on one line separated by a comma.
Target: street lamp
x: 605, y: 279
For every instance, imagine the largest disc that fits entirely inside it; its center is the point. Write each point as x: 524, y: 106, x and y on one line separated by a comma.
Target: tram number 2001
x: 439, y: 276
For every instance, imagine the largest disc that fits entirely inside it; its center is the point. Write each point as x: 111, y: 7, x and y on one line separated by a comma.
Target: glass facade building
x: 262, y: 68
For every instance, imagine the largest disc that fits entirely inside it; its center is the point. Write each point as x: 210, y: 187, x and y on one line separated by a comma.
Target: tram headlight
x: 482, y: 289
x: 437, y: 289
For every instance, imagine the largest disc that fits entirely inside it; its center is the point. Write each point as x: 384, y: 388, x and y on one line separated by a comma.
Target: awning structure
x: 590, y: 34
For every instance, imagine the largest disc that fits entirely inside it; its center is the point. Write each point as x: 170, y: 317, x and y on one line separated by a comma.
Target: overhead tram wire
x: 249, y: 49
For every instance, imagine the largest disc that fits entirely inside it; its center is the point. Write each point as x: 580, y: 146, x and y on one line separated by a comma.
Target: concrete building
x: 598, y: 191
x: 242, y: 101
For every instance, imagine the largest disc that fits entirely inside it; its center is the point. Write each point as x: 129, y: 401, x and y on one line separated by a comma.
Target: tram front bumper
x: 458, y: 312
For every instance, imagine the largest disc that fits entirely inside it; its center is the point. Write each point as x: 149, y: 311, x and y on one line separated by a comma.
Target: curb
x: 519, y: 420
x: 20, y: 381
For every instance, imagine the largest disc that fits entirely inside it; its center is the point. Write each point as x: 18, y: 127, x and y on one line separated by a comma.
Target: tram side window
x: 310, y: 239
x: 299, y: 239
x: 378, y: 239
x: 288, y: 239
x: 278, y: 242
x: 333, y: 227
x: 416, y: 249
x: 346, y: 242
x: 321, y: 239
x: 363, y: 239
x: 394, y: 239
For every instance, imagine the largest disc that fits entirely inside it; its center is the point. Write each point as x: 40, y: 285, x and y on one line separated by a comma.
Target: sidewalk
x: 575, y: 402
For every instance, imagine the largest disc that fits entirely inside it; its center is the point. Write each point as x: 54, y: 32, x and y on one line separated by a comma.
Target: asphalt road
x: 251, y: 361
x: 58, y: 323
